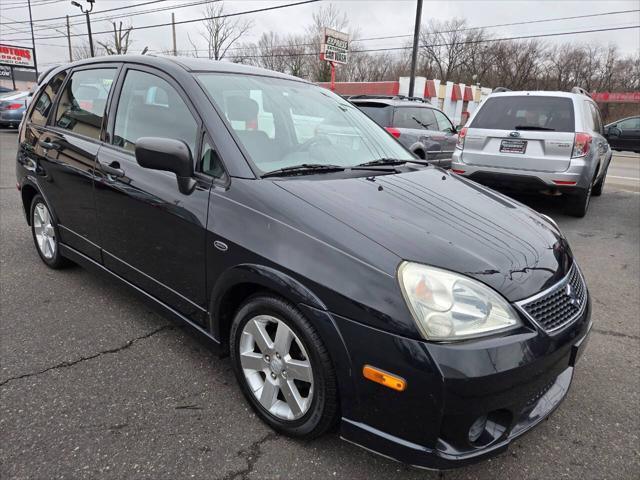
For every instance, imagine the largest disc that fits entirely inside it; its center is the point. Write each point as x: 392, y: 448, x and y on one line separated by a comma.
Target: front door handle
x: 112, y: 169
x: 47, y: 145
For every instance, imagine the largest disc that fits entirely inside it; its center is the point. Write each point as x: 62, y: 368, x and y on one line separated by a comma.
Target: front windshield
x: 283, y: 123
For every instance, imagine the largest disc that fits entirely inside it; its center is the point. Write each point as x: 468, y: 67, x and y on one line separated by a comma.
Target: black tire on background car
x: 45, y: 233
x: 283, y: 368
x: 578, y: 202
x: 598, y: 187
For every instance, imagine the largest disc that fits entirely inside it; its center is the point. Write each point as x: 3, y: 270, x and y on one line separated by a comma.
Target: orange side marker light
x: 384, y: 378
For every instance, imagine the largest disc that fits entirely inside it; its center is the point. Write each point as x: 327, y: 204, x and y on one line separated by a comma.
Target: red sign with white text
x: 16, y: 56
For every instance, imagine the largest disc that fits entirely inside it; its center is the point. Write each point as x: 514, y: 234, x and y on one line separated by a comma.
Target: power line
x: 144, y: 27
x: 82, y: 14
x: 24, y: 4
x: 388, y: 49
x: 121, y: 15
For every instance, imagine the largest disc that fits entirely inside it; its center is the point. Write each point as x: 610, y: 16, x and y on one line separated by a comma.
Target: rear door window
x: 42, y: 107
x: 415, y: 117
x: 526, y: 113
x: 84, y: 99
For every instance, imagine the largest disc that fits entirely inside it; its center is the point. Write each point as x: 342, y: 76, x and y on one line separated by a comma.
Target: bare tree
x: 83, y: 51
x: 120, y: 42
x: 220, y: 32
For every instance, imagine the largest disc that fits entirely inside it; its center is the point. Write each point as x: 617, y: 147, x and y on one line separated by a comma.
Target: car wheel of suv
x: 578, y: 203
x: 45, y: 236
x: 598, y: 187
x: 283, y: 368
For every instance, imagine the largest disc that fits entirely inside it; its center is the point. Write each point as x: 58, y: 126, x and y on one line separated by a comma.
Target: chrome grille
x: 560, y: 305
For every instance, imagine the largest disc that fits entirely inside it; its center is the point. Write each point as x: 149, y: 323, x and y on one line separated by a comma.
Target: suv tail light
x: 13, y: 106
x: 581, y: 145
x: 461, y: 136
x: 393, y: 131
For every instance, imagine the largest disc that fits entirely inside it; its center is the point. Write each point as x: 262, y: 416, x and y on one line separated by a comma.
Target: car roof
x: 391, y: 101
x: 189, y: 64
x: 542, y: 93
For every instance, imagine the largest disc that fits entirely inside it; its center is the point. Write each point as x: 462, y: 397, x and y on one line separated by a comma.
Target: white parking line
x: 624, y: 178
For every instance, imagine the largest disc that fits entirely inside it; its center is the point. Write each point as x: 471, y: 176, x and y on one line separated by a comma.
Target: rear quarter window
x: 526, y: 112
x: 42, y: 106
x: 378, y: 112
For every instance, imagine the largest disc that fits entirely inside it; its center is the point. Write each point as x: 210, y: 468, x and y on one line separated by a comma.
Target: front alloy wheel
x: 283, y: 367
x: 276, y: 367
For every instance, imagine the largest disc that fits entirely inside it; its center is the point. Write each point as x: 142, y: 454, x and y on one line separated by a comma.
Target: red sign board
x: 616, y: 97
x: 14, y: 56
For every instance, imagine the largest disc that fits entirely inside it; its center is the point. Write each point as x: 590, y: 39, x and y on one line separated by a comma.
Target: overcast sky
x: 370, y: 18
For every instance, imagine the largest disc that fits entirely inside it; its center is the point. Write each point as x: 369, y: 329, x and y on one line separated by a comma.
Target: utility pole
x: 173, y: 28
x: 33, y: 40
x: 87, y: 12
x: 414, y: 53
x: 69, y: 40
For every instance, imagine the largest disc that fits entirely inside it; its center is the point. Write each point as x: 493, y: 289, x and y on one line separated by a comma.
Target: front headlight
x: 449, y: 306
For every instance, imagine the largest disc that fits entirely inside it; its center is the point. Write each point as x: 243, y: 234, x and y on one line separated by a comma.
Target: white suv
x: 547, y: 142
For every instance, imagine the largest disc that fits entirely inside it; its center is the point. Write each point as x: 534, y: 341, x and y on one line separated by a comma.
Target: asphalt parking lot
x: 94, y: 385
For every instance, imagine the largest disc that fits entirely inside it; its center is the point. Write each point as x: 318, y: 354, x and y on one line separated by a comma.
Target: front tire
x: 45, y: 233
x: 283, y: 368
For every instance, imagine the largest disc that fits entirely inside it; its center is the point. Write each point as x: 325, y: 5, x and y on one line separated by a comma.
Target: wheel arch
x: 238, y: 283
x: 28, y: 191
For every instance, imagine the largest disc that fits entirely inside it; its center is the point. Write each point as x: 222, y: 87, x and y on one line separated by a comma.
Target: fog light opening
x: 477, y: 428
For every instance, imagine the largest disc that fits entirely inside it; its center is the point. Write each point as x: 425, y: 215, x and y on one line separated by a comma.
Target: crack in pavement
x: 613, y: 333
x: 252, y: 455
x: 71, y: 363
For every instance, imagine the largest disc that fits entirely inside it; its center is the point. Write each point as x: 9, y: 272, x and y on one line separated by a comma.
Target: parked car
x: 624, y: 134
x: 417, y: 125
x: 433, y: 319
x: 12, y: 108
x: 550, y: 142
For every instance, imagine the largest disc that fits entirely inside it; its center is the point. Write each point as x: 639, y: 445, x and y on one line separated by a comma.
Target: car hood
x: 437, y: 218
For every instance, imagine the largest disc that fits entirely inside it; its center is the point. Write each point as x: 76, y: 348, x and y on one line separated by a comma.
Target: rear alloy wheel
x: 283, y: 368
x: 578, y: 203
x: 43, y: 228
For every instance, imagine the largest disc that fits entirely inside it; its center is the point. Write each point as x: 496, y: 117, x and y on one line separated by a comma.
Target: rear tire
x: 578, y: 203
x: 599, y: 186
x: 266, y: 371
x: 45, y: 233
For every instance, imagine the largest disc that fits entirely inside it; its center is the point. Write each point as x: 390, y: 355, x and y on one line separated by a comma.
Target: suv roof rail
x: 580, y: 91
x: 501, y: 89
x: 386, y: 97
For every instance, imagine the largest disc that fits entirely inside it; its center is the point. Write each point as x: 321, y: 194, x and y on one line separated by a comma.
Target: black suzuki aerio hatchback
x: 433, y: 319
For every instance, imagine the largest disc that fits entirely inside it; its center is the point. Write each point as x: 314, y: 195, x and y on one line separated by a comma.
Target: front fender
x: 311, y: 306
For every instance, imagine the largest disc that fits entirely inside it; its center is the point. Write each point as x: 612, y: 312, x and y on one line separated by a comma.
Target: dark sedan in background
x: 624, y: 134
x: 12, y: 108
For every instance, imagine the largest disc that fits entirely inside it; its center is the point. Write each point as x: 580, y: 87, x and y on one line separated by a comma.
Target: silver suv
x: 419, y: 126
x: 550, y: 142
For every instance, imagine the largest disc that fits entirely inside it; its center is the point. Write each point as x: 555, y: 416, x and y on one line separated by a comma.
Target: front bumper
x: 517, y: 380
x: 525, y: 180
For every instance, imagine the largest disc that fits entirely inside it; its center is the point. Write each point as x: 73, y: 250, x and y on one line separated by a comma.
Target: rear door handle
x: 112, y: 169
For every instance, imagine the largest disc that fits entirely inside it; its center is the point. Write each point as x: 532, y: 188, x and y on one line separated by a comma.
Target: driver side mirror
x: 169, y: 155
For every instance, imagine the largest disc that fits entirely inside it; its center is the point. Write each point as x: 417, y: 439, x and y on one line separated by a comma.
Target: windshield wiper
x: 381, y: 162
x: 304, y: 169
x: 389, y: 162
x: 423, y: 125
x: 533, y: 127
